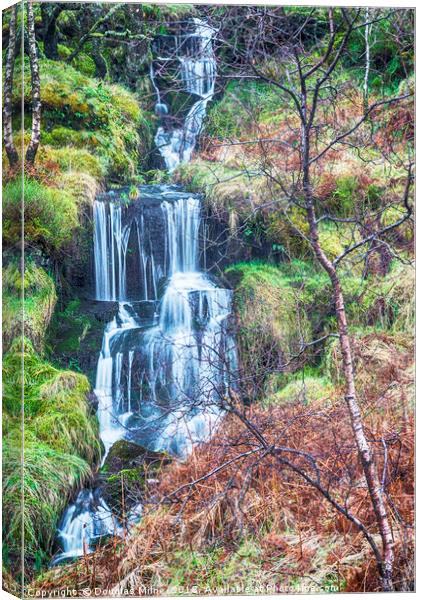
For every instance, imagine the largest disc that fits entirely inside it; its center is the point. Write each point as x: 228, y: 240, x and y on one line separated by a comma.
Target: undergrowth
x: 60, y: 443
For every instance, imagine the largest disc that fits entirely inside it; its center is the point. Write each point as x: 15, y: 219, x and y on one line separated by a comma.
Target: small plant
x: 134, y: 192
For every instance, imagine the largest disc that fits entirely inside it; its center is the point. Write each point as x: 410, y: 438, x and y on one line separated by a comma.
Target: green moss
x: 69, y: 328
x: 125, y: 471
x: 64, y: 421
x: 82, y: 186
x: 273, y: 325
x: 69, y: 158
x: 334, y: 239
x: 305, y: 390
x: 37, y: 306
x: 50, y: 214
x: 82, y: 62
x: 105, y: 119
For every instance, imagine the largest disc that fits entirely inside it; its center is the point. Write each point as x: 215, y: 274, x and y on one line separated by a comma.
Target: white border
x: 385, y: 3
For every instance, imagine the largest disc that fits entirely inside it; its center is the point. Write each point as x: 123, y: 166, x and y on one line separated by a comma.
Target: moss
x: 37, y: 306
x: 50, y: 214
x: 127, y: 468
x: 272, y: 322
x: 82, y: 62
x: 285, y: 231
x: 306, y: 390
x: 334, y: 240
x: 105, y: 119
x: 69, y: 158
x: 82, y: 186
x: 64, y: 421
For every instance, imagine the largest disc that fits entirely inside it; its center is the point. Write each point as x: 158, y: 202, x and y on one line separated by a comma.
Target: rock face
x: 128, y: 471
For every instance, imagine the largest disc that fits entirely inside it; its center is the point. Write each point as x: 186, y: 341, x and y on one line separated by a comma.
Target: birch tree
x: 36, y: 87
x: 9, y: 145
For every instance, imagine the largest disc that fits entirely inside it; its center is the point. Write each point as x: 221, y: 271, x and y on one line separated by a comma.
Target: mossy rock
x: 127, y: 472
x: 109, y: 132
x: 37, y: 306
x: 272, y: 323
x: 76, y: 332
x: 125, y: 455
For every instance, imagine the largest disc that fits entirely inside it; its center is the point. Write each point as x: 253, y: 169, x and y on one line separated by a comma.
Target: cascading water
x: 181, y: 357
x: 197, y: 64
x: 167, y: 357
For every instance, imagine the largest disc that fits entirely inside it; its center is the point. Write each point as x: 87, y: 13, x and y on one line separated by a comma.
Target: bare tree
x: 9, y: 145
x: 367, y: 33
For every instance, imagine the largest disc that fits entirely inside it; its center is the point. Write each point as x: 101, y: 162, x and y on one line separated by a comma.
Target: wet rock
x: 126, y: 455
x: 104, y: 311
x: 129, y: 470
x: 92, y: 402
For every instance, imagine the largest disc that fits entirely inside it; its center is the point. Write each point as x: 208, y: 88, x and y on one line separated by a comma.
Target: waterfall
x: 162, y: 374
x: 194, y: 52
x: 86, y: 520
x: 110, y: 240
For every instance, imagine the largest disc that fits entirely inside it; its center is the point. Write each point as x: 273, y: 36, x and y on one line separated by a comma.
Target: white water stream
x: 196, y: 57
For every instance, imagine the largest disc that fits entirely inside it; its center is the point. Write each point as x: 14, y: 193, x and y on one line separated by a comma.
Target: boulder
x: 128, y: 471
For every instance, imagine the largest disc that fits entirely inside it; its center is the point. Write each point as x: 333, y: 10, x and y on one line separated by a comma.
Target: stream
x: 167, y: 356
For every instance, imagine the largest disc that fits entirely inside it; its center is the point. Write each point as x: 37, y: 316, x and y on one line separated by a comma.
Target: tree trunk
x: 50, y: 15
x: 367, y: 32
x: 100, y: 63
x: 364, y: 450
x: 9, y: 145
x: 36, y: 88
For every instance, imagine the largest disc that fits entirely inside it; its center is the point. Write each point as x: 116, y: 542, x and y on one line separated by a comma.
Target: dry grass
x: 255, y: 499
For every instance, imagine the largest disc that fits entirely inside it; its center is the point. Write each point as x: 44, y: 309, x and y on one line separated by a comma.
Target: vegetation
x: 32, y: 296
x: 88, y: 121
x: 50, y: 215
x: 272, y: 322
x: 60, y: 443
